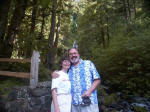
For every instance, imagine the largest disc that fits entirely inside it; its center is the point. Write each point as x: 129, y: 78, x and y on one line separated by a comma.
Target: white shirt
x: 62, y: 83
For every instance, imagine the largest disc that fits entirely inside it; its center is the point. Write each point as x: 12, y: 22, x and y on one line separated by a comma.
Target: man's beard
x: 75, y: 61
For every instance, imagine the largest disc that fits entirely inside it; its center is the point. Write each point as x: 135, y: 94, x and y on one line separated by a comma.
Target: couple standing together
x: 74, y: 86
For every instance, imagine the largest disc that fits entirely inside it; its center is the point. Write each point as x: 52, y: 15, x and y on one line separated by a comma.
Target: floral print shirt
x: 82, y: 77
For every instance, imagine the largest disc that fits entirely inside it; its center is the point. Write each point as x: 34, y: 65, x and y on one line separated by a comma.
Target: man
x: 84, y: 82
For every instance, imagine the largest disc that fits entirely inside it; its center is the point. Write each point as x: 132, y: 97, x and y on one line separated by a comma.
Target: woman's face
x: 66, y: 64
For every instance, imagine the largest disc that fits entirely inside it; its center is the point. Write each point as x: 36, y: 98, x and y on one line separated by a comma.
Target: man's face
x: 74, y: 56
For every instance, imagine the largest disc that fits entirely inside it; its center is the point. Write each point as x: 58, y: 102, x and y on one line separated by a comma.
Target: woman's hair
x: 61, y: 61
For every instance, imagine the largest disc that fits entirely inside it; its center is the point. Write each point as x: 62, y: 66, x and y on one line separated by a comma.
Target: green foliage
x: 123, y: 64
x: 101, y: 91
x: 27, y: 43
x: 7, y: 84
x: 15, y: 67
x: 139, y: 109
x: 110, y: 99
x: 44, y: 73
x: 107, y: 99
x: 44, y: 3
x: 146, y: 8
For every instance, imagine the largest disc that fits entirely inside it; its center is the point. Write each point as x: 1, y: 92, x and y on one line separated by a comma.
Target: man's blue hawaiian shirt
x: 82, y: 77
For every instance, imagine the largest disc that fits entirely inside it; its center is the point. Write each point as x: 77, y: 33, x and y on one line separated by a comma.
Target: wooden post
x: 34, y: 69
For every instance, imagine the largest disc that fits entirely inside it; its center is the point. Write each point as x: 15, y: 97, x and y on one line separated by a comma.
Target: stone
x: 37, y: 92
x: 26, y: 99
x: 20, y: 105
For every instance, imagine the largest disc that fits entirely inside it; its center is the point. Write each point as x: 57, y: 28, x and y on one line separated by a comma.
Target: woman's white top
x: 62, y: 83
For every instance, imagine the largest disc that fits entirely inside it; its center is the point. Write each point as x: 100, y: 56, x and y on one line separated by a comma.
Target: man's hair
x: 73, y: 48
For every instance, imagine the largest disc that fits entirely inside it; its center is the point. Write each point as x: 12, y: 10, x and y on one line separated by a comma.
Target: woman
x: 61, y: 88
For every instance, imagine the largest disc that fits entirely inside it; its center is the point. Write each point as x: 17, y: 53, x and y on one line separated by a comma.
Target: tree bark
x: 34, y: 11
x: 107, y: 32
x: 57, y: 37
x: 102, y: 33
x: 129, y: 11
x: 32, y: 28
x: 13, y: 28
x: 50, y: 59
x: 134, y: 8
x: 57, y: 32
x: 43, y: 24
x: 4, y: 9
x: 125, y: 10
x: 103, y: 38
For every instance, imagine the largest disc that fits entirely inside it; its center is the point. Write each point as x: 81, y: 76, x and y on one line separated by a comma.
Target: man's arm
x: 92, y: 88
x: 55, y: 74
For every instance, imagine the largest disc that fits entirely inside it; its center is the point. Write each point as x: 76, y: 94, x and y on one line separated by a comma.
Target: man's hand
x: 92, y: 88
x: 86, y: 94
x: 55, y: 74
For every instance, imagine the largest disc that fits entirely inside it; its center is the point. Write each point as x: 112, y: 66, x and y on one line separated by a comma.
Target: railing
x: 33, y: 75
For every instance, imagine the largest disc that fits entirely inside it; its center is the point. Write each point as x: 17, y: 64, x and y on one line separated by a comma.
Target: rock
x: 25, y: 99
x: 19, y: 92
x: 3, y: 100
x: 20, y: 105
x: 37, y: 92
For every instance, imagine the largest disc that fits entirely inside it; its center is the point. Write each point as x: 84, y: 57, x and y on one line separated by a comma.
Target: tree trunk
x: 13, y: 28
x: 57, y: 37
x: 33, y: 16
x: 134, y: 8
x: 50, y: 59
x: 146, y: 7
x: 4, y: 9
x: 57, y: 32
x: 32, y: 28
x: 102, y: 33
x: 107, y: 32
x: 129, y: 11
x: 103, y: 37
x: 125, y: 10
x: 43, y: 23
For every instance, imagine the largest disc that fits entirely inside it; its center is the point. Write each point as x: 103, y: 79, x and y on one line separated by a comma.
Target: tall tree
x: 134, y: 8
x: 57, y: 32
x: 125, y: 10
x: 102, y: 32
x: 13, y: 28
x: 129, y: 10
x: 146, y: 7
x: 107, y: 31
x: 42, y: 24
x: 33, y: 19
x: 32, y: 27
x: 4, y: 9
x: 50, y: 58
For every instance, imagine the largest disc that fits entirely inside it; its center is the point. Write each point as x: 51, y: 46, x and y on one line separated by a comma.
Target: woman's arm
x: 55, y: 101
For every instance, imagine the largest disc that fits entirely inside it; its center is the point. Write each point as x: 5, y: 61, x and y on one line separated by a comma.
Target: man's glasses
x: 73, y: 53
